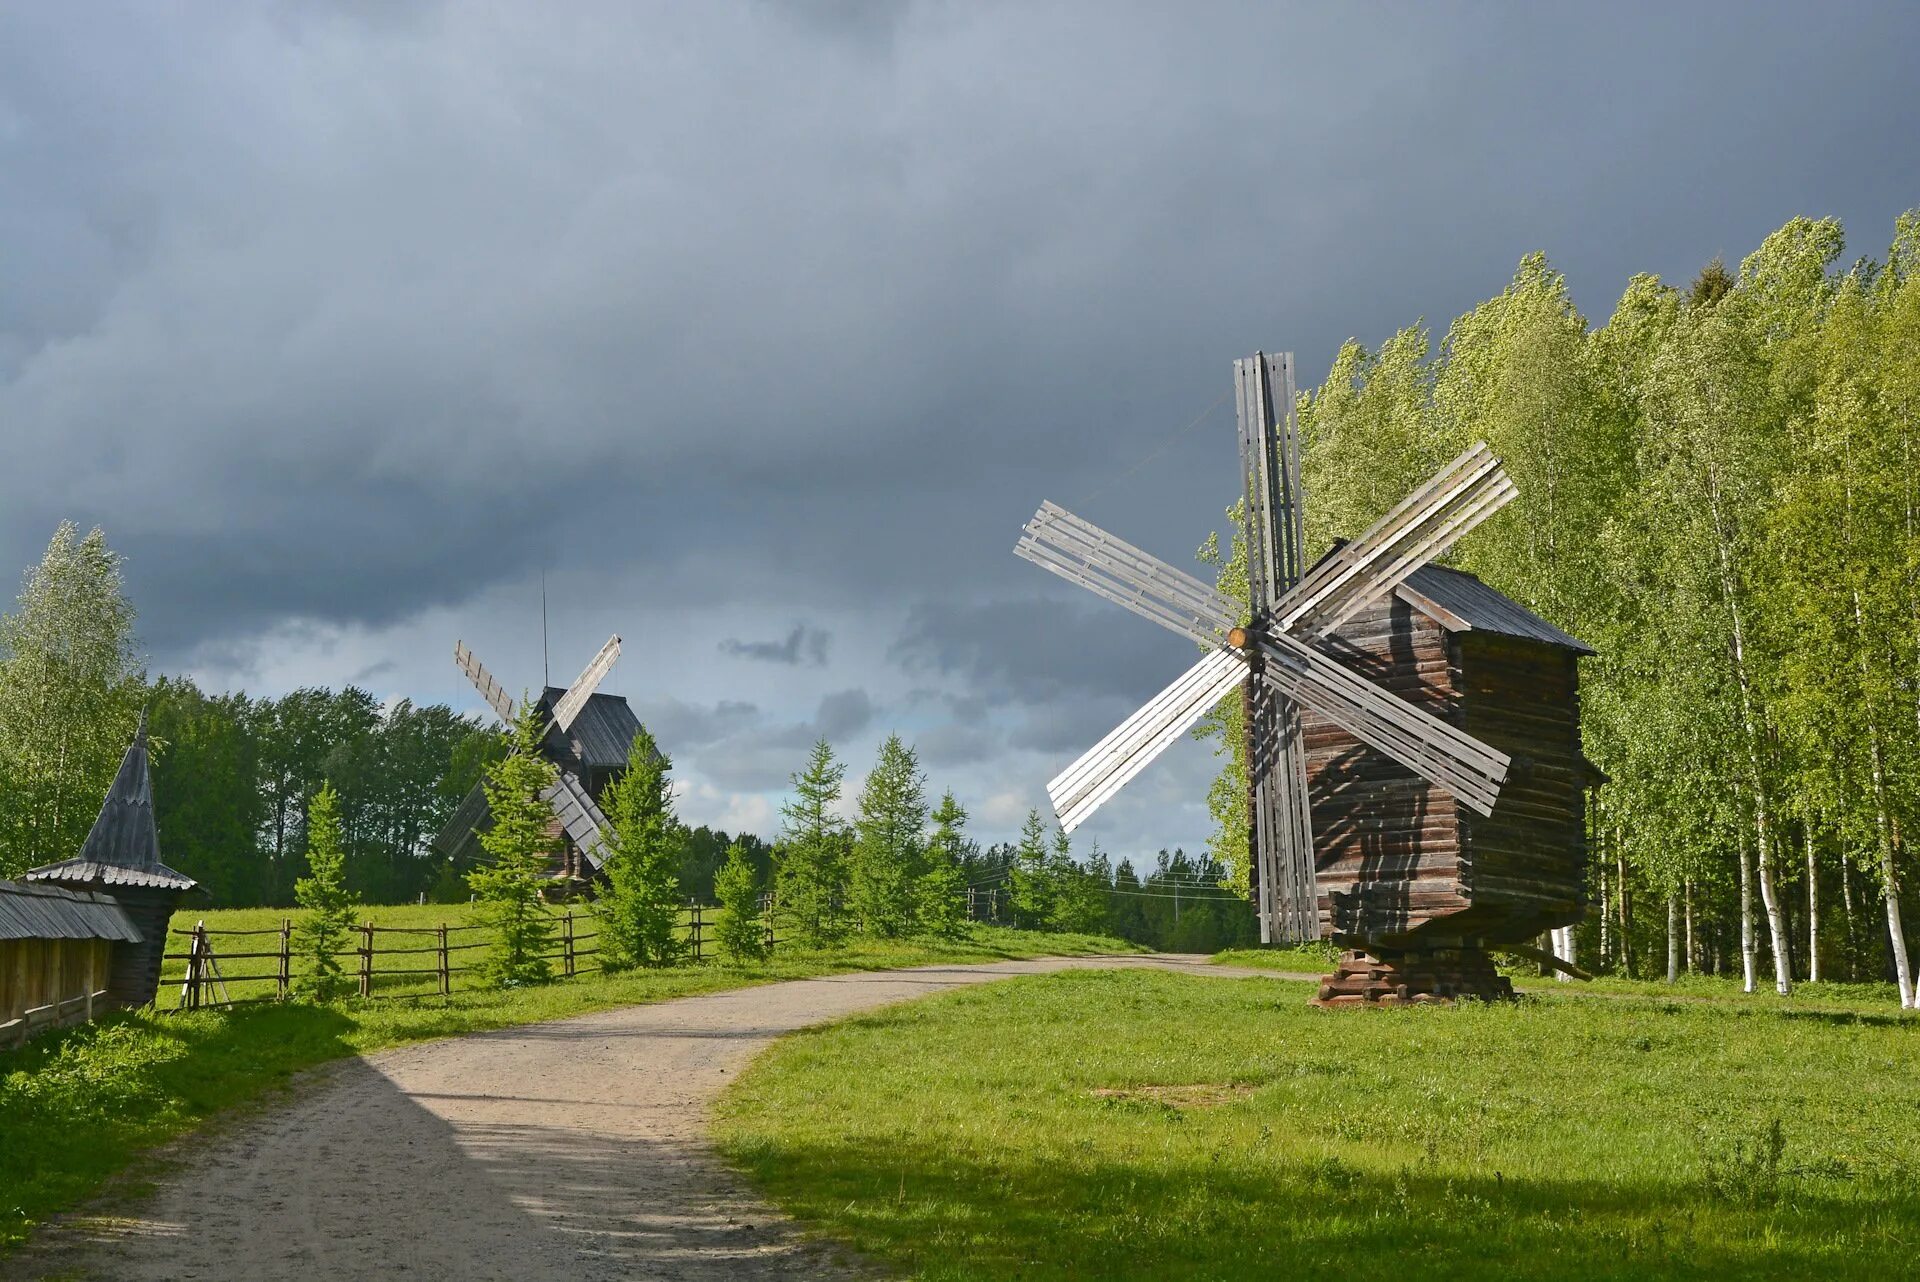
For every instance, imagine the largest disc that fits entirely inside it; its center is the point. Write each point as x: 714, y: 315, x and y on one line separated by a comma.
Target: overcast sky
x: 761, y: 328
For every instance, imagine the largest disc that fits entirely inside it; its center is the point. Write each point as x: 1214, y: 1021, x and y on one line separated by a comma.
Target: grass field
x: 1141, y: 1124
x: 1310, y: 958
x: 80, y: 1105
x: 232, y: 931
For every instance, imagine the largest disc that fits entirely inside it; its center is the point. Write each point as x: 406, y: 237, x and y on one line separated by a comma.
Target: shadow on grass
x: 935, y: 1212
x: 360, y: 1178
x: 77, y: 1105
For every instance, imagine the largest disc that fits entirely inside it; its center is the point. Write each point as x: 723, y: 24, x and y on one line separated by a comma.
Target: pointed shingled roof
x: 123, y: 846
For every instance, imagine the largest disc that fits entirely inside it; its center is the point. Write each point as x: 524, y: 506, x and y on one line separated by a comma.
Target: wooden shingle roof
x: 123, y: 846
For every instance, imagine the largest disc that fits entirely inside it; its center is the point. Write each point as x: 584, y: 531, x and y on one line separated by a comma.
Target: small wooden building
x: 56, y: 953
x: 121, y: 860
x: 1403, y: 870
x: 590, y: 755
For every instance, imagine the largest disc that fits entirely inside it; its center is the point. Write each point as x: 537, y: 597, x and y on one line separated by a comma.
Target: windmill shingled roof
x: 123, y: 846
x: 55, y: 912
x: 602, y: 735
x: 1486, y: 609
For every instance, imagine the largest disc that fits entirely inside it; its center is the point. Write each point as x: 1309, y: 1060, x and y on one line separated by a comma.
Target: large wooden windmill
x: 1382, y: 700
x: 588, y: 738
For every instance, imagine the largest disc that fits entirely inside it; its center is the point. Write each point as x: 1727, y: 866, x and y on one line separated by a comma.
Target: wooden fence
x: 431, y: 957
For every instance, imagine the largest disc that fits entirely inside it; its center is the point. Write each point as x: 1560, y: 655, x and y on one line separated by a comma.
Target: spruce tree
x: 518, y: 846
x: 941, y: 892
x: 1080, y: 900
x: 743, y: 935
x: 887, y: 857
x: 640, y: 905
x: 324, y: 932
x: 810, y: 862
x: 1033, y: 881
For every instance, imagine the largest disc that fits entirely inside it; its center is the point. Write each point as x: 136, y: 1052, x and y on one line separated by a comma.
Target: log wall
x: 44, y: 982
x: 1397, y: 859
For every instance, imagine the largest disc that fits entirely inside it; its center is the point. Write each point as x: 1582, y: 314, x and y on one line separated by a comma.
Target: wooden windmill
x: 1365, y: 784
x: 588, y: 737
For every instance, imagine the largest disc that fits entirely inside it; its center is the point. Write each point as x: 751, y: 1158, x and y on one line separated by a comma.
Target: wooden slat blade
x: 496, y: 696
x: 1287, y: 900
x: 1469, y: 769
x: 1423, y: 526
x: 1081, y: 552
x: 1104, y: 769
x: 569, y: 705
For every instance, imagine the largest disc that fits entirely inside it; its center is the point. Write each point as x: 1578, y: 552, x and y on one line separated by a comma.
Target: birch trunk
x: 1626, y: 920
x: 1889, y: 877
x: 1750, y: 724
x: 1813, y: 911
x: 1563, y: 949
x: 1776, y: 920
x: 1693, y: 958
x: 1673, y: 940
x: 1846, y: 902
x: 1746, y: 922
x: 1606, y: 911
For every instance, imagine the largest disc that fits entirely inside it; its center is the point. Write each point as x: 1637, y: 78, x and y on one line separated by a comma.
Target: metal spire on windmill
x: 571, y: 798
x: 1272, y: 657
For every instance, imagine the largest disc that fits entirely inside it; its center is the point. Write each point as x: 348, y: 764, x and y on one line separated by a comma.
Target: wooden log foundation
x: 1409, y: 978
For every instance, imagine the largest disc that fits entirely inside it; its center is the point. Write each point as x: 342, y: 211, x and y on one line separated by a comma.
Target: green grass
x: 1142, y: 1124
x: 80, y: 1105
x: 1319, y: 958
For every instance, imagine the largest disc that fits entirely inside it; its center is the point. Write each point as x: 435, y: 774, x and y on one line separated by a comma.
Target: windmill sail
x: 1280, y: 835
x: 497, y: 698
x: 568, y: 709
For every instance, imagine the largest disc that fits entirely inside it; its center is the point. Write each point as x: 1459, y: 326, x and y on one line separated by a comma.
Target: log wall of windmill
x: 1527, y: 860
x: 1387, y: 843
x: 1396, y: 855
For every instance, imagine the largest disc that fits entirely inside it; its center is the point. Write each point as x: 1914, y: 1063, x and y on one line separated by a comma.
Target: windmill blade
x: 568, y: 708
x: 1423, y: 526
x: 1287, y: 897
x: 1081, y: 552
x: 1270, y: 462
x: 1104, y: 769
x: 579, y: 817
x: 1418, y: 740
x: 497, y: 698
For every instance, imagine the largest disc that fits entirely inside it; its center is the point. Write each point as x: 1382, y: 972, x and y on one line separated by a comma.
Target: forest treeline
x: 243, y: 786
x: 1720, y: 491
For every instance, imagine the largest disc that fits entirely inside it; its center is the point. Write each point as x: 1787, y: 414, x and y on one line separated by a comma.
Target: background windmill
x: 588, y: 738
x: 1364, y: 784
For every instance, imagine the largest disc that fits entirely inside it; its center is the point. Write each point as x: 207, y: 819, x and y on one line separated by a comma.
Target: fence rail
x: 204, y: 980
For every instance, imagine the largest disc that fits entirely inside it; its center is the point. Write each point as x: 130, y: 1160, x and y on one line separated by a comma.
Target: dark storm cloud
x: 762, y: 757
x: 803, y: 644
x: 678, y: 726
x: 1040, y: 649
x: 331, y: 315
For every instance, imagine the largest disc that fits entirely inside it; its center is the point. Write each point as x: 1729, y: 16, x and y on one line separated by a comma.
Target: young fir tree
x: 887, y: 855
x: 70, y: 693
x: 518, y: 847
x: 323, y: 933
x: 941, y: 892
x: 810, y: 862
x: 640, y: 905
x: 1080, y: 902
x: 743, y: 931
x: 1033, y: 878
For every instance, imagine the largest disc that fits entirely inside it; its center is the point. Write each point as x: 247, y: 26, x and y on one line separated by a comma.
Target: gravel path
x: 573, y: 1149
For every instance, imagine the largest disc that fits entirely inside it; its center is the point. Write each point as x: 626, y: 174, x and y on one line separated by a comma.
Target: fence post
x: 446, y: 974
x: 366, y: 960
x: 766, y: 911
x: 567, y: 946
x: 286, y: 956
x: 195, y: 960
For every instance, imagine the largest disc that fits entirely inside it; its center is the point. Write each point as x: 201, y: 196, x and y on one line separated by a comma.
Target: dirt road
x: 574, y: 1149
